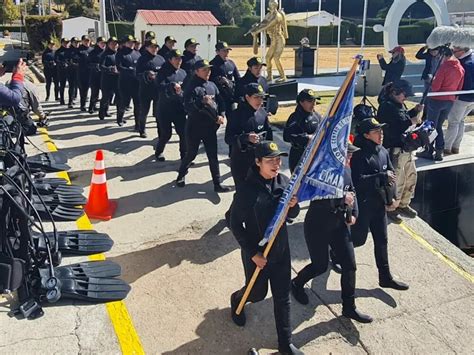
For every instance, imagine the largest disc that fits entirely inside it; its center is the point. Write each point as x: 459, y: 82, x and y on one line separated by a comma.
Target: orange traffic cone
x: 98, y: 205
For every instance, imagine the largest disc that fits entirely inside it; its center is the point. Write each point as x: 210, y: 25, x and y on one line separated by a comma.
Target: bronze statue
x: 275, y: 25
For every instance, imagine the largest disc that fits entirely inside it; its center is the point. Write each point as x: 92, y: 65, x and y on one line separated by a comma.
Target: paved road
x: 183, y: 264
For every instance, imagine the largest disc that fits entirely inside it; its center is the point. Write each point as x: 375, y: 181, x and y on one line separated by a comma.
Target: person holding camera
x: 393, y: 112
x: 301, y: 125
x: 169, y: 81
x: 327, y: 223
x: 374, y: 180
x: 147, y: 67
x: 206, y: 113
x: 249, y: 126
x: 395, y: 68
x: 11, y: 95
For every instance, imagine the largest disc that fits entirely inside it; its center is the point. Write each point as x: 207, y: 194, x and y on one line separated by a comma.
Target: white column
x: 103, y: 20
x: 338, y: 36
x: 364, y: 20
x: 317, y: 36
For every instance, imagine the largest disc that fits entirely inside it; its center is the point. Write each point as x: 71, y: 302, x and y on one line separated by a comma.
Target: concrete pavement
x: 183, y: 264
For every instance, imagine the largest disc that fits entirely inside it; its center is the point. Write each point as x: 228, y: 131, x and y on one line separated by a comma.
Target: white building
x: 312, y: 19
x: 78, y: 26
x: 181, y: 25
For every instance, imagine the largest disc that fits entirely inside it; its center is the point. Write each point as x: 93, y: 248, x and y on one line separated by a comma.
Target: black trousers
x: 324, y: 228
x: 109, y: 88
x: 279, y: 275
x: 94, y: 83
x: 62, y: 80
x: 372, y: 216
x: 72, y: 83
x: 194, y: 136
x: 164, y: 120
x: 128, y: 90
x: 147, y: 96
x: 83, y: 84
x: 51, y: 76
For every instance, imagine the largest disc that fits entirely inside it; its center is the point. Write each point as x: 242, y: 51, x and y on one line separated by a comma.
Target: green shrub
x: 40, y: 29
x: 233, y: 35
x: 406, y: 34
x: 121, y: 29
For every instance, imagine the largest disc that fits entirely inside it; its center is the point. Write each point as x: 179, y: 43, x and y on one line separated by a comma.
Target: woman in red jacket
x: 449, y: 77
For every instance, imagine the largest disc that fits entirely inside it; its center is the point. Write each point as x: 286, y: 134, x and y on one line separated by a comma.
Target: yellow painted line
x: 122, y: 322
x: 436, y: 252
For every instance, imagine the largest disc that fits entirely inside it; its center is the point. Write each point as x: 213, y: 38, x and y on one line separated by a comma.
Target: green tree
x: 9, y: 12
x: 234, y: 11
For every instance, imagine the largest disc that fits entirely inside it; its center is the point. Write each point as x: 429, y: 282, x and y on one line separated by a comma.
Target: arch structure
x: 395, y: 13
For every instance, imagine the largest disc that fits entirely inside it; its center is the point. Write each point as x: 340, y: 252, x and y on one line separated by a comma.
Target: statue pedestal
x: 304, y: 62
x: 285, y: 91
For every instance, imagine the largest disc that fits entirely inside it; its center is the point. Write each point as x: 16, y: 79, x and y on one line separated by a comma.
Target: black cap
x: 403, y: 85
x: 150, y: 35
x: 174, y: 53
x: 64, y: 40
x: 112, y: 39
x: 128, y: 38
x: 222, y: 45
x: 75, y: 39
x: 101, y: 39
x: 190, y: 41
x: 170, y: 38
x: 151, y: 42
x: 201, y: 64
x: 362, y: 111
x: 268, y: 149
x: 369, y: 124
x: 254, y: 89
x: 255, y: 61
x: 307, y: 95
x: 51, y: 42
x: 351, y: 148
x: 85, y: 37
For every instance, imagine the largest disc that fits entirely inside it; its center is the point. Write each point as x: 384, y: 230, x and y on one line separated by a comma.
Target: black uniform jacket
x: 107, y: 63
x: 126, y: 61
x: 82, y: 57
x: 149, y: 62
x: 252, y: 210
x: 163, y: 51
x: 225, y: 69
x: 203, y: 117
x: 48, y: 58
x: 165, y: 80
x: 61, y: 57
x: 393, y: 70
x: 369, y: 169
x: 397, y: 118
x: 189, y: 59
x: 248, y: 78
x: 299, y: 127
x: 246, y: 120
x: 94, y: 58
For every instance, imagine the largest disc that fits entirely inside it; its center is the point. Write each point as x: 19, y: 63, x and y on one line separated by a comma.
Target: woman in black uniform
x: 374, y: 180
x: 247, y: 127
x: 301, y: 125
x: 254, y: 206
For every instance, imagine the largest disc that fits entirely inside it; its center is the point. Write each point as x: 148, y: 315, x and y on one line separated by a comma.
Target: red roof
x: 172, y: 17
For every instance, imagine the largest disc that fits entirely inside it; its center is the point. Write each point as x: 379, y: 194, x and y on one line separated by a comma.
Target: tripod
x: 365, y: 100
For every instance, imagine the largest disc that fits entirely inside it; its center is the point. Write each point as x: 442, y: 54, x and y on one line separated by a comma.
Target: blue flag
x: 320, y: 171
x: 325, y: 177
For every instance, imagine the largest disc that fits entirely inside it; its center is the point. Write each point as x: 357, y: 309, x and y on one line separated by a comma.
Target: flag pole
x: 281, y: 220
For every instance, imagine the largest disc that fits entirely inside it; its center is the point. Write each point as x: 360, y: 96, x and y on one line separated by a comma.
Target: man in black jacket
x: 109, y: 79
x: 50, y: 70
x: 374, y: 180
x: 167, y: 46
x: 432, y: 61
x: 126, y: 60
x: 72, y: 56
x: 205, y: 108
x: 94, y: 72
x: 252, y: 75
x: 62, y: 65
x: 147, y: 67
x: 248, y: 126
x: 224, y: 74
x: 190, y: 56
x: 301, y: 125
x: 169, y: 80
x: 254, y: 206
x: 83, y: 71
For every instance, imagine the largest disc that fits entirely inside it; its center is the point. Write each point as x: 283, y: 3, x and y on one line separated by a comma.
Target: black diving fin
x: 48, y: 162
x: 61, y: 199
x: 92, y: 289
x: 98, y: 269
x: 47, y: 189
x: 77, y: 242
x: 59, y: 213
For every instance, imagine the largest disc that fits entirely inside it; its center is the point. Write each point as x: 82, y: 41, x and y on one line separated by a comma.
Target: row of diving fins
x: 92, y: 281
